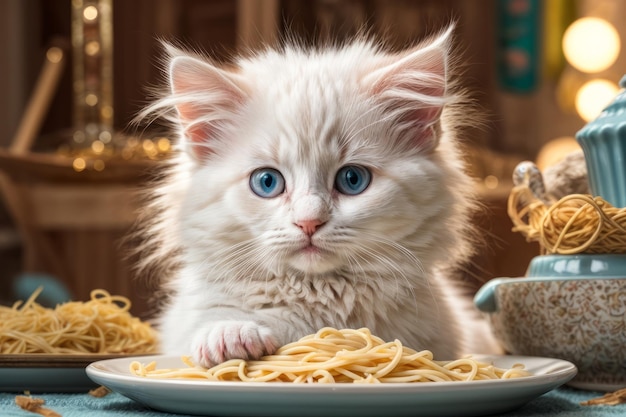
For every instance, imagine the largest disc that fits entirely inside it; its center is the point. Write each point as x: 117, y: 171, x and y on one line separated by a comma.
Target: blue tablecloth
x: 562, y: 402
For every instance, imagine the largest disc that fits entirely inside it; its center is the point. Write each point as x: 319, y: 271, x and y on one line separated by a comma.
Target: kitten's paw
x: 226, y: 340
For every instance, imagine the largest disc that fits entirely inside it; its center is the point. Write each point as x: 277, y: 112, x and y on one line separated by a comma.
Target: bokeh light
x: 593, y: 97
x: 591, y: 44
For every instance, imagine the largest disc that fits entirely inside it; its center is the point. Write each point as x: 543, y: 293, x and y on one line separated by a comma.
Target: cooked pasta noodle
x: 333, y: 355
x: 101, y: 325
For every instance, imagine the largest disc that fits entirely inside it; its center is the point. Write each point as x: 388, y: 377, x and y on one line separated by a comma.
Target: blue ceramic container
x: 570, y: 307
x: 604, y: 143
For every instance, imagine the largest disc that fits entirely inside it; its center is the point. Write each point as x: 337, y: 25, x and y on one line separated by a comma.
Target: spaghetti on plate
x: 338, y: 356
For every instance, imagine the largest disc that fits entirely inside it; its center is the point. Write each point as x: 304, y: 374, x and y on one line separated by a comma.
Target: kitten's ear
x: 206, y: 98
x: 412, y: 86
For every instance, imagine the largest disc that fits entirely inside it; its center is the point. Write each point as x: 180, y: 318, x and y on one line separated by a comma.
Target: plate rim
x: 564, y: 371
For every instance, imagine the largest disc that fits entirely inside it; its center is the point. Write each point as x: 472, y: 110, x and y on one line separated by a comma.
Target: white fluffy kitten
x: 313, y: 187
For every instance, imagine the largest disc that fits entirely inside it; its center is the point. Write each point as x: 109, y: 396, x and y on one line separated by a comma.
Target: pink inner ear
x: 426, y: 127
x: 206, y: 98
x: 418, y: 105
x: 199, y: 134
x: 414, y: 87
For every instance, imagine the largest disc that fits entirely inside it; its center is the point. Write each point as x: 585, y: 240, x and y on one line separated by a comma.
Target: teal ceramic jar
x: 604, y: 143
x: 570, y: 307
x: 576, y: 317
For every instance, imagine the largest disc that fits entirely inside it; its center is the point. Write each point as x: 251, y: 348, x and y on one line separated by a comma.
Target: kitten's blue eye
x: 267, y: 182
x: 352, y: 179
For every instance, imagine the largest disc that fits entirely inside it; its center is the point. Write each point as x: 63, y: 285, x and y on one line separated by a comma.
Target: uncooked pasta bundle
x: 577, y: 223
x: 101, y: 325
x: 333, y: 355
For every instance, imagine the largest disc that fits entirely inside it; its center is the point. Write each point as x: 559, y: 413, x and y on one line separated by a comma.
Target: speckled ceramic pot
x: 604, y: 143
x: 579, y: 318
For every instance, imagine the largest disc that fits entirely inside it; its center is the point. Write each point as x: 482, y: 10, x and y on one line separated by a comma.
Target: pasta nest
x: 576, y: 223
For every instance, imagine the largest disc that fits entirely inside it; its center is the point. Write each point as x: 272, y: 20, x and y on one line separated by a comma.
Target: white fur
x: 241, y: 284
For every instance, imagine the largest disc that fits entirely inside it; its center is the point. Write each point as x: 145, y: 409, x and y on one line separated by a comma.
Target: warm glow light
x: 92, y: 48
x: 491, y: 182
x: 106, y: 112
x: 54, y: 55
x: 148, y: 145
x: 79, y: 164
x: 105, y: 137
x: 555, y: 151
x: 90, y: 13
x: 591, y: 44
x: 91, y: 99
x: 163, y: 144
x: 594, y: 96
x: 98, y: 165
x: 97, y: 146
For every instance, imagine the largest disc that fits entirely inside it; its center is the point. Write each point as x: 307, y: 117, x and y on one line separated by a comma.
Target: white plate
x: 285, y: 399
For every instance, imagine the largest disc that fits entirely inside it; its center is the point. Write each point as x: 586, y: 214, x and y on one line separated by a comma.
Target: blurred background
x: 74, y: 73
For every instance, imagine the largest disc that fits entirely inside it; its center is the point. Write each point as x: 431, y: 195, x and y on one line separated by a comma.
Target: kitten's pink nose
x: 309, y: 226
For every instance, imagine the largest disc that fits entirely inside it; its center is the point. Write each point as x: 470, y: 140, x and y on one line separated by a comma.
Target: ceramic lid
x: 604, y: 143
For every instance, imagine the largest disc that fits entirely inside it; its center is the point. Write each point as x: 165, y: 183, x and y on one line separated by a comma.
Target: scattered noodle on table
x: 99, y: 392
x: 101, y: 325
x: 610, y: 398
x: 35, y: 405
x: 333, y: 355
